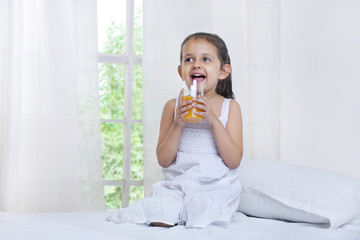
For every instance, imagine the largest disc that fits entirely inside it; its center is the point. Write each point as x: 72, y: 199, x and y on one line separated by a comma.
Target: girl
x: 201, y: 186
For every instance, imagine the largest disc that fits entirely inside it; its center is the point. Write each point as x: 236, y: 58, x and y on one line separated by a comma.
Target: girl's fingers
x: 184, y: 109
x: 198, y: 105
x: 202, y: 103
x: 184, y: 103
x: 200, y: 113
x: 182, y: 115
x: 202, y: 100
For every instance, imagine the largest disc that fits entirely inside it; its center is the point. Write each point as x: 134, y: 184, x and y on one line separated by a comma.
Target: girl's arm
x: 229, y: 140
x: 171, y: 130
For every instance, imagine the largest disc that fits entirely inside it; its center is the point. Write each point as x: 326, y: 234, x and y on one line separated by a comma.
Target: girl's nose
x: 196, y: 64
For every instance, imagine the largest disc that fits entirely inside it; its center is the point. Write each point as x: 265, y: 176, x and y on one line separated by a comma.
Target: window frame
x: 129, y: 59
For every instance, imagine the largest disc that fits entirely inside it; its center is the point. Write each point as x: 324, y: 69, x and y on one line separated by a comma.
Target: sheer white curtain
x: 50, y: 157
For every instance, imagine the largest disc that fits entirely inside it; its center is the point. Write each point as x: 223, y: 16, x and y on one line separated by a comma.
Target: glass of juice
x: 195, y: 90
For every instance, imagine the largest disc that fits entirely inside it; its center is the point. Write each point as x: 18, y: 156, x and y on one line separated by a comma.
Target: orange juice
x: 191, y: 117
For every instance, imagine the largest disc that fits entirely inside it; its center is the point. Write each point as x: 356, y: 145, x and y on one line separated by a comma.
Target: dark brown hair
x: 224, y: 87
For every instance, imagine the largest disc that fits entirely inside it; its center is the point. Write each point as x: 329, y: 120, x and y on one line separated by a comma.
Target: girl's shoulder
x: 234, y: 104
x: 168, y: 112
x: 170, y: 103
x: 169, y: 107
x: 234, y: 109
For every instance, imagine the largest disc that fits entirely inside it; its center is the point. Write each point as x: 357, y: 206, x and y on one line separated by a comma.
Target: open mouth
x: 198, y: 77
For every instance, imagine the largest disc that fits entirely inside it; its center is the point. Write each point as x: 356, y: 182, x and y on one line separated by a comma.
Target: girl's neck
x: 211, y: 95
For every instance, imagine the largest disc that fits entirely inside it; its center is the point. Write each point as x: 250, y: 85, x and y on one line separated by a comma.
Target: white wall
x: 320, y: 84
x: 296, y: 72
x: 262, y: 110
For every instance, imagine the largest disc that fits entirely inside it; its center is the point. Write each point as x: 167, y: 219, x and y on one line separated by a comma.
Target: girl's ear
x: 225, y: 71
x: 179, y: 70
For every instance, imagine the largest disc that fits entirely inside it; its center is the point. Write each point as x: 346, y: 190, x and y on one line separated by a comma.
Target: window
x: 120, y: 89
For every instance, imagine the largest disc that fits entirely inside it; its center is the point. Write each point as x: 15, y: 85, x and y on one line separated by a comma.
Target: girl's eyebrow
x: 202, y: 54
x: 187, y: 55
x: 208, y: 54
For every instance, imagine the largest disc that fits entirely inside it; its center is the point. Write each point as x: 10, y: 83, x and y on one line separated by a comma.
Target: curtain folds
x: 49, y: 111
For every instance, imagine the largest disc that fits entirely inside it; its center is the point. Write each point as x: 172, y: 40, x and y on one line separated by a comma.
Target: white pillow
x: 278, y: 190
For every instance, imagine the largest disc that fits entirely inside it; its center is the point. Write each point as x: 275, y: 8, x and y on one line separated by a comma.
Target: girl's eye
x: 189, y: 60
x: 206, y: 59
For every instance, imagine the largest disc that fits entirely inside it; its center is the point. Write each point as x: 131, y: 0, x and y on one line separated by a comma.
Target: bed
x: 92, y: 225
x: 278, y: 201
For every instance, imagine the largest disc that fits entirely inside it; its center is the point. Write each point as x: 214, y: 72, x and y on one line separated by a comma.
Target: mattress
x: 92, y: 225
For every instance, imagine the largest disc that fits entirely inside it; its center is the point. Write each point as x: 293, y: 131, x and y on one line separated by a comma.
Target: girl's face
x: 200, y: 62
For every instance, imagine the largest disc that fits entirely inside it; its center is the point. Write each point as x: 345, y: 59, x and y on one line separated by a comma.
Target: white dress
x: 199, y: 189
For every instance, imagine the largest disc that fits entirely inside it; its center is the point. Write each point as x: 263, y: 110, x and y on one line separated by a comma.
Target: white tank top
x: 198, y: 137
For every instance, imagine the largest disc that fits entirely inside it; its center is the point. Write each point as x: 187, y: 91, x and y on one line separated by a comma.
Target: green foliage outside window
x: 112, y: 99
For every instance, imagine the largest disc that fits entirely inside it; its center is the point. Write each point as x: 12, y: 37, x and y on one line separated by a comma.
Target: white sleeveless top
x: 198, y: 137
x: 198, y: 158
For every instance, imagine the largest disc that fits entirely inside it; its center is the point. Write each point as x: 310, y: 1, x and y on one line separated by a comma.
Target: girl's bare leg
x: 160, y: 224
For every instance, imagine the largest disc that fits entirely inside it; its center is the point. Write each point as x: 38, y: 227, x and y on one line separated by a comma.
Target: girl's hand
x: 182, y: 109
x: 208, y: 113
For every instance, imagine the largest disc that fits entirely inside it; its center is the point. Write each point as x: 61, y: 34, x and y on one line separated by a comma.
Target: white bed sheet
x: 92, y: 225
